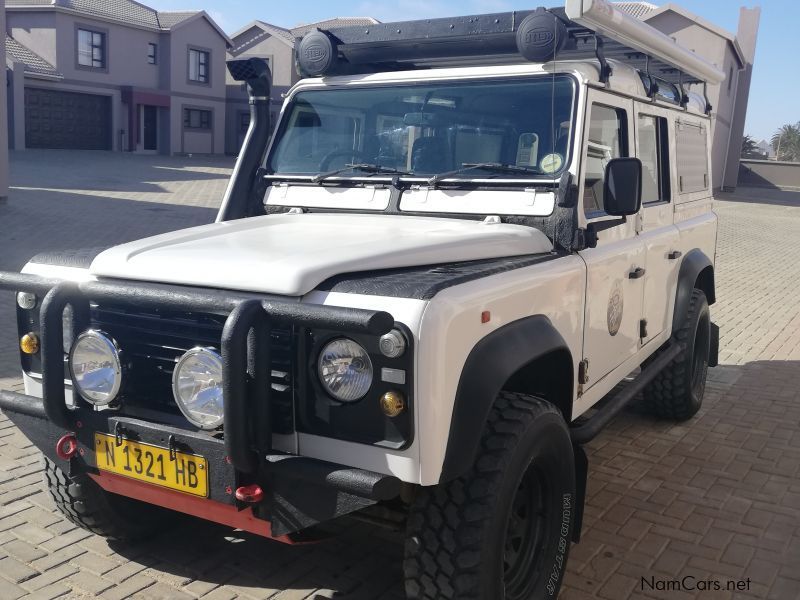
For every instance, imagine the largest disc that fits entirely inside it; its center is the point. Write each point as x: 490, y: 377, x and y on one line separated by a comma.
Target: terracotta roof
x: 34, y: 64
x: 636, y: 9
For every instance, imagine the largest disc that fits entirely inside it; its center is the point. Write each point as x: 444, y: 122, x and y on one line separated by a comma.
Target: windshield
x: 474, y: 129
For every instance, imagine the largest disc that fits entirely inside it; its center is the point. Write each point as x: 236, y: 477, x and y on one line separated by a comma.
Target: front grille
x: 153, y: 341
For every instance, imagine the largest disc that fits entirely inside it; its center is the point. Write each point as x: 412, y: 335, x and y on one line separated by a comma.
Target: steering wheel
x: 325, y: 163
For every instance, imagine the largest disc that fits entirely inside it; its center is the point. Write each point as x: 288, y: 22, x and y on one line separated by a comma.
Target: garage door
x: 66, y: 120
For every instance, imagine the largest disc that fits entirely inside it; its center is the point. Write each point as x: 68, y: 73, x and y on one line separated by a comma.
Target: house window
x: 91, y: 49
x: 194, y: 118
x: 198, y: 66
x: 152, y: 53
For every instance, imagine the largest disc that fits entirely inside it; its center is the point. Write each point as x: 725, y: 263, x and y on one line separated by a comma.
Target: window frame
x: 617, y: 105
x: 93, y: 31
x: 152, y: 53
x: 201, y: 65
x: 187, y: 119
x: 663, y: 156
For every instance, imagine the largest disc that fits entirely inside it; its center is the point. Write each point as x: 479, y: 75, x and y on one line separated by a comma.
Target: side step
x: 587, y: 430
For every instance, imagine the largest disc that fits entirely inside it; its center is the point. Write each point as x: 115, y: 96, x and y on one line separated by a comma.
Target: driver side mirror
x: 622, y: 189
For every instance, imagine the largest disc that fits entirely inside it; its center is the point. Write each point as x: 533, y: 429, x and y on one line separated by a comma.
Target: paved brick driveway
x: 716, y: 499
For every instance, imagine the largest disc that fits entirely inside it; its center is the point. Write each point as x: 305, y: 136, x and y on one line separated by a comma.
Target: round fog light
x: 95, y: 367
x: 393, y: 404
x: 197, y: 387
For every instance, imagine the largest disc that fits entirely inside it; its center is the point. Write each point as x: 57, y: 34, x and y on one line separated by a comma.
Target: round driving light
x: 393, y: 404
x: 197, y: 386
x: 26, y: 300
x: 29, y: 343
x: 345, y: 370
x: 95, y: 367
x: 392, y: 344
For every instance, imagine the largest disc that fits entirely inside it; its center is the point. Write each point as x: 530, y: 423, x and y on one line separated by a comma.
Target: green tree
x: 750, y: 148
x: 786, y: 142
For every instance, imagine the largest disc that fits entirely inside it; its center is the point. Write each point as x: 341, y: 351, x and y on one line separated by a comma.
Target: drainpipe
x: 237, y: 201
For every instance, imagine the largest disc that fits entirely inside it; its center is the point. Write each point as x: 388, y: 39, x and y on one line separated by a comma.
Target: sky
x: 774, y: 94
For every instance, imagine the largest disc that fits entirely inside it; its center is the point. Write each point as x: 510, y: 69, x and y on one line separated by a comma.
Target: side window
x: 607, y: 139
x: 653, y: 142
x: 692, y: 156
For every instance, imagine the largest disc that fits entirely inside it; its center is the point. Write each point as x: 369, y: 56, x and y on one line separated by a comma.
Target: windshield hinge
x: 492, y: 220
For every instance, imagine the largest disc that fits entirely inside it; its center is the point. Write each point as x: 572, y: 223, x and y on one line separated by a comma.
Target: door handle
x: 637, y: 273
x: 674, y: 255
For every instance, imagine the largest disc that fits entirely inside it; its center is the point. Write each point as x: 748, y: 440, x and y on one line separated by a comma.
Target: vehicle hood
x: 291, y: 254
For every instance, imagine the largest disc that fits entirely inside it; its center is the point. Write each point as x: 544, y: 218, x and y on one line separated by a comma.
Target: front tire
x: 677, y: 392
x: 90, y: 507
x: 502, y: 530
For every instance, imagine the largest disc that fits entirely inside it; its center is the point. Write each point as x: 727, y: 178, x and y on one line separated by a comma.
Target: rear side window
x: 607, y: 140
x: 692, y: 153
x: 653, y: 141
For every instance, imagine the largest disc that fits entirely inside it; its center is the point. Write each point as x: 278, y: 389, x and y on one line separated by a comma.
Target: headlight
x: 95, y: 367
x: 197, y: 386
x: 345, y: 370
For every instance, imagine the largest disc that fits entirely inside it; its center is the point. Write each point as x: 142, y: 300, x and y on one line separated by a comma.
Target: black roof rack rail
x: 539, y: 35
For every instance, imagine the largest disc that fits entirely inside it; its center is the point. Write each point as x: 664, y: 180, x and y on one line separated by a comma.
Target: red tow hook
x: 67, y: 446
x: 252, y: 494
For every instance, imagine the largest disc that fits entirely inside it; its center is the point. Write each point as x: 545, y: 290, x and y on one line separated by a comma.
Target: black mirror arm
x: 592, y: 229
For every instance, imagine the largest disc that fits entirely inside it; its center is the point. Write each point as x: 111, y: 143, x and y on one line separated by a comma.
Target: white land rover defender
x: 462, y: 236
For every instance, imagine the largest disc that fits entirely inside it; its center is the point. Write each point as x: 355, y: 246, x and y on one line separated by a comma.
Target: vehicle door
x: 656, y: 229
x: 613, y: 306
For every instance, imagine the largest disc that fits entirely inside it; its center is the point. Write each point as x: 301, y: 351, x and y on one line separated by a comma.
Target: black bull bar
x: 244, y: 385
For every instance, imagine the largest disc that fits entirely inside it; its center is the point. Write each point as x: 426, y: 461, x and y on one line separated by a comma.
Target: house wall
x: 3, y: 113
x: 281, y: 62
x: 186, y: 94
x: 53, y: 35
x: 718, y: 51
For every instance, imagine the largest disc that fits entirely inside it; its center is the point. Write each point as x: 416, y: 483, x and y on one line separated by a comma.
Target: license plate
x: 179, y: 471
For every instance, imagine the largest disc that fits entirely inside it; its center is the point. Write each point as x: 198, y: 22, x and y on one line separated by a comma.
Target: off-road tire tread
x: 443, y: 541
x: 668, y: 396
x: 88, y: 506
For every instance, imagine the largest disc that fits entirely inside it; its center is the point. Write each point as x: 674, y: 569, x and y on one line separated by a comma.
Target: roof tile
x: 34, y: 64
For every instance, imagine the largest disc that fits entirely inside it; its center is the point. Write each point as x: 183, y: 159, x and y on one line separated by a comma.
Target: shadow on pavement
x: 759, y: 195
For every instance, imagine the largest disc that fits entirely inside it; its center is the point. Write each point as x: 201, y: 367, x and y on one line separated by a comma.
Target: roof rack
x: 583, y: 29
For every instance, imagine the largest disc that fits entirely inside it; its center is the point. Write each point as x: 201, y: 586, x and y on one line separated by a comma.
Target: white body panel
x: 291, y: 254
x: 513, y: 202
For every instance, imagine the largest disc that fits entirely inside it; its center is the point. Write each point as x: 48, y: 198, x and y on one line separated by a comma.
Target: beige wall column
x: 16, y: 106
x: 746, y: 36
x: 3, y: 110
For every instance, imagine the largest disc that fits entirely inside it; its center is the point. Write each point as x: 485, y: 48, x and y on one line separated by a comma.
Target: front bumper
x: 299, y: 492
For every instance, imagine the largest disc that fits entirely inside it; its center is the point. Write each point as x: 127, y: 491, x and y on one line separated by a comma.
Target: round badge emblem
x: 615, y: 307
x: 551, y: 163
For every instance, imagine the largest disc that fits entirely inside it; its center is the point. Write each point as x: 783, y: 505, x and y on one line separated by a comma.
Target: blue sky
x: 775, y: 89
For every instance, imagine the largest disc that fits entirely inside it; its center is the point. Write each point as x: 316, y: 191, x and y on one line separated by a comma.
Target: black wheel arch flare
x: 696, y: 271
x: 505, y: 358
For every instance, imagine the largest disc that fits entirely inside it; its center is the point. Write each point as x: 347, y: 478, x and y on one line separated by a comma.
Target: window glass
x: 196, y: 119
x: 152, y: 53
x: 654, y: 153
x: 692, y: 156
x: 91, y: 49
x: 606, y: 140
x: 430, y: 129
x: 198, y: 66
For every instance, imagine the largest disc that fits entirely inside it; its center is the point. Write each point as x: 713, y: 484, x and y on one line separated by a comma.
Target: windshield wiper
x: 366, y: 167
x: 497, y: 167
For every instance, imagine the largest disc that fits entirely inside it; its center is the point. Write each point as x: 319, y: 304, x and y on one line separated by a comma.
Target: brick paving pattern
x: 716, y: 499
